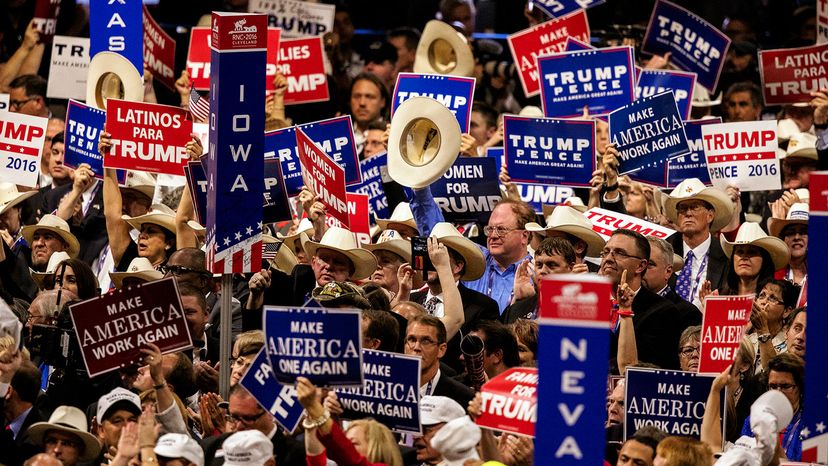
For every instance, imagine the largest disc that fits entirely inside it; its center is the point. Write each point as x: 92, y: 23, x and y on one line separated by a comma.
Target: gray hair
x: 690, y: 333
x: 663, y: 246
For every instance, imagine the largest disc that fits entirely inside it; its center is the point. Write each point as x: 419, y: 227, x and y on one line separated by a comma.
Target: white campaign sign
x: 296, y: 18
x: 604, y: 222
x: 68, y: 68
x: 4, y: 102
x: 21, y: 141
x: 742, y: 155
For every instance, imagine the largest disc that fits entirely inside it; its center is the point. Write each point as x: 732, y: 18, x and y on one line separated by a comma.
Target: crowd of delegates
x: 77, y: 237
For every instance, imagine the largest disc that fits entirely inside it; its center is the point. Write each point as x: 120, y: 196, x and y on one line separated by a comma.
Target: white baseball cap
x: 120, y: 396
x: 439, y: 409
x: 180, y: 446
x: 247, y: 448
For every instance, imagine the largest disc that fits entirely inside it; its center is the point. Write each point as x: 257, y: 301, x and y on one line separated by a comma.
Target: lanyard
x: 697, y: 281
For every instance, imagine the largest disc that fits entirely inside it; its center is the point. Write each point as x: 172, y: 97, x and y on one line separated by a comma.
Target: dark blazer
x: 91, y: 232
x: 657, y: 330
x: 716, y: 261
x: 688, y: 314
x: 453, y: 389
x: 15, y: 451
x: 15, y: 277
x: 288, y: 451
x: 521, y: 309
x: 285, y: 290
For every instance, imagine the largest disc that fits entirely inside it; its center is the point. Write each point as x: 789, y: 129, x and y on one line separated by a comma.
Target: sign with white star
x: 21, y: 140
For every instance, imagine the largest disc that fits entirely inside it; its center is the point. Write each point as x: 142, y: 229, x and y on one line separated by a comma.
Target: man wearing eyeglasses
x: 27, y: 95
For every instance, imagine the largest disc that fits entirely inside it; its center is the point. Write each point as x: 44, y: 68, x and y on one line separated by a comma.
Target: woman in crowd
x: 526, y: 332
x: 76, y: 276
x: 682, y: 451
x: 769, y: 316
x: 244, y: 352
x: 753, y: 258
x: 689, y: 348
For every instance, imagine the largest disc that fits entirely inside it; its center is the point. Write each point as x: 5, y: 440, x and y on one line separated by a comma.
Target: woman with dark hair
x: 753, y: 258
x: 76, y: 276
x: 769, y: 318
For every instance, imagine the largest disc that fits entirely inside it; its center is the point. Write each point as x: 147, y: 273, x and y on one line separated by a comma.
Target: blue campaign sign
x: 558, y: 8
x: 498, y: 154
x: 601, y: 79
x: 673, y: 401
x: 652, y: 82
x: 455, y: 92
x: 323, y: 345
x: 372, y: 173
x: 279, y: 400
x: 695, y: 44
x: 276, y: 206
x: 197, y: 181
x: 573, y: 45
x: 391, y: 393
x: 647, y: 132
x: 536, y: 195
x: 468, y: 189
x: 655, y: 175
x: 281, y: 144
x: 694, y: 164
x: 83, y: 127
x: 546, y: 150
x: 118, y: 26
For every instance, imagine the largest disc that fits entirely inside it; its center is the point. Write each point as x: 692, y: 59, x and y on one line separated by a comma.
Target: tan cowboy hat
x: 305, y: 226
x: 798, y: 214
x: 443, y: 50
x: 142, y: 182
x: 693, y: 188
x: 575, y: 202
x: 10, y: 196
x: 343, y: 241
x: 751, y: 233
x: 785, y: 128
x: 51, y: 268
x: 140, y: 267
x: 804, y: 195
x: 569, y: 220
x: 69, y: 420
x: 701, y: 97
x: 111, y: 75
x: 402, y: 214
x: 802, y: 145
x: 451, y: 238
x: 57, y: 226
x: 424, y: 142
x: 285, y: 259
x: 392, y: 241
x: 159, y: 214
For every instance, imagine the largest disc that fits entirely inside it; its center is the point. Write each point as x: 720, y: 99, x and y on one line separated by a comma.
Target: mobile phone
x: 419, y: 254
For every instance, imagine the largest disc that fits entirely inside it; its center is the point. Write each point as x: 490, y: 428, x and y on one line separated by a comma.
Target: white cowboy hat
x: 305, y: 226
x: 159, y: 214
x: 10, y: 196
x: 424, y: 142
x: 70, y: 420
x: 802, y: 145
x: 142, y: 182
x: 111, y: 75
x: 451, y: 238
x: 402, y: 214
x: 785, y: 128
x: 51, y: 268
x: 285, y: 259
x: 392, y: 241
x: 798, y: 214
x: 443, y: 50
x: 343, y: 241
x: 575, y: 202
x: 693, y: 188
x: 531, y: 111
x: 569, y: 220
x: 140, y: 267
x: 804, y: 195
x: 701, y: 97
x: 751, y: 233
x: 57, y: 226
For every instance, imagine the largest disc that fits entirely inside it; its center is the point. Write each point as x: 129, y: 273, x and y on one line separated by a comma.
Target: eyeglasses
x: 497, y: 232
x: 688, y: 351
x: 425, y: 342
x: 20, y: 103
x: 52, y: 442
x: 685, y: 208
x: 178, y: 270
x: 769, y: 298
x: 618, y: 254
x: 246, y: 419
x: 785, y: 387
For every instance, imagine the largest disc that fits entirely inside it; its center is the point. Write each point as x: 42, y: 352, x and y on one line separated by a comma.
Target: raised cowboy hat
x: 343, y: 241
x: 802, y: 145
x: 142, y: 182
x: 798, y: 214
x: 10, y: 196
x: 569, y: 220
x: 285, y: 259
x: 443, y: 50
x: 424, y: 142
x: 693, y: 188
x: 701, y: 97
x: 305, y: 226
x: 392, y: 241
x: 69, y: 420
x: 159, y: 214
x: 402, y: 214
x: 51, y: 268
x: 451, y: 238
x: 785, y: 128
x: 57, y: 226
x: 141, y: 268
x: 112, y: 76
x: 751, y: 233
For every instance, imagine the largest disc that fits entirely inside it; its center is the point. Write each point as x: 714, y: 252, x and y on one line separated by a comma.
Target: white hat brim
x: 713, y: 196
x: 475, y: 262
x: 775, y: 247
x: 593, y: 240
x: 776, y: 225
x: 146, y: 275
x: 17, y: 199
x: 91, y: 445
x: 364, y: 261
x: 104, y: 63
x: 74, y: 246
x: 399, y: 247
x: 165, y: 221
x: 433, y: 31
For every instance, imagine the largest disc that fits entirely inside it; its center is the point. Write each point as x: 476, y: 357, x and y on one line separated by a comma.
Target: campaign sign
x: 455, y: 92
x: 323, y: 345
x: 4, y: 102
x: 68, y: 67
x: 371, y: 185
x: 647, y: 133
x: 601, y: 79
x: 673, y: 401
x: 822, y: 36
x: 277, y: 399
x: 159, y: 51
x: 302, y: 63
x: 281, y: 144
x: 45, y: 18
x: 468, y: 189
x: 509, y: 402
x: 538, y: 195
x: 198, y: 58
x: 573, y: 343
x: 113, y: 328
x: 21, y: 140
x: 546, y: 150
x: 295, y: 18
x: 604, y: 222
x: 743, y: 155
x: 790, y: 75
x: 323, y: 176
x: 655, y: 175
x: 723, y: 326
x: 147, y: 137
x: 573, y: 45
x: 83, y: 128
x: 391, y: 393
x: 652, y: 82
x: 118, y: 26
x: 197, y: 181
x: 694, y: 164
x: 543, y: 39
x: 360, y: 224
x: 695, y: 44
x: 555, y: 8
x: 276, y: 207
x: 336, y: 137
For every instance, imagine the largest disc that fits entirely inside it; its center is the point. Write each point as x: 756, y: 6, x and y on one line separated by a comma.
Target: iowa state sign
x: 198, y: 58
x: 790, y: 75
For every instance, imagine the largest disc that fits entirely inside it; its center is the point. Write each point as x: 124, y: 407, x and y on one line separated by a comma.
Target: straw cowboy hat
x: 159, y: 214
x: 392, y: 241
x: 10, y: 196
x: 343, y: 241
x: 785, y: 128
x: 701, y: 97
x: 111, y: 75
x: 802, y: 145
x: 693, y: 188
x: 443, y: 50
x: 751, y: 233
x: 424, y: 142
x: 402, y: 214
x: 57, y: 226
x: 451, y: 238
x: 140, y: 267
x: 142, y: 182
x: 285, y: 259
x: 575, y: 202
x: 69, y: 420
x: 798, y: 214
x: 51, y: 268
x: 569, y: 220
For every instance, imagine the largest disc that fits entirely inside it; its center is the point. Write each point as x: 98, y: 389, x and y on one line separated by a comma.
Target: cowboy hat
x: 111, y: 75
x: 285, y: 259
x: 141, y: 268
x: 569, y: 220
x: 701, y: 97
x: 57, y: 226
x: 142, y: 182
x: 424, y: 142
x: 54, y: 260
x: 305, y: 226
x: 451, y: 238
x: 392, y: 241
x: 343, y: 241
x: 802, y: 145
x: 797, y: 215
x: 443, y: 50
x: 693, y: 188
x: 341, y: 294
x: 751, y: 233
x: 402, y: 214
x: 785, y: 128
x: 10, y: 196
x: 159, y: 214
x: 575, y: 202
x: 804, y: 195
x: 70, y: 420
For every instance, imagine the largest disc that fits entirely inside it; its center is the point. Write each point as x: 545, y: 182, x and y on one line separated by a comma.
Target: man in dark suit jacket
x: 656, y: 279
x: 89, y: 226
x: 19, y: 412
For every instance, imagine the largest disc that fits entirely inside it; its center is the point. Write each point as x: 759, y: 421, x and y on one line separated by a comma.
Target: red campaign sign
x: 723, y: 327
x: 302, y: 63
x: 324, y: 176
x: 45, y: 18
x: 576, y: 297
x: 159, y: 52
x: 274, y: 36
x: 544, y: 39
x: 358, y: 216
x: 790, y: 75
x: 198, y: 58
x: 510, y: 402
x: 147, y: 137
x: 113, y: 328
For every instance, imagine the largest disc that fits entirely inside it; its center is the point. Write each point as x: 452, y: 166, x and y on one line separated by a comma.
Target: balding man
x: 43, y: 459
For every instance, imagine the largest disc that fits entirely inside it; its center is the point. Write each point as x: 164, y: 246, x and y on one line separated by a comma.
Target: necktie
x: 684, y: 282
x: 431, y: 305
